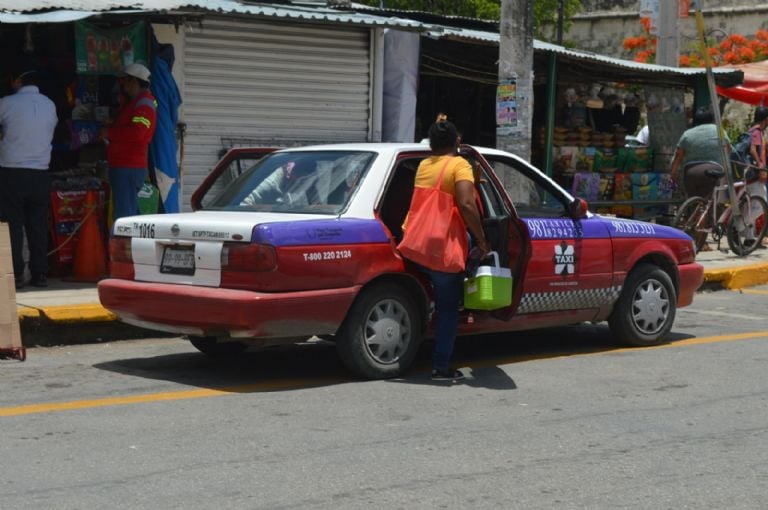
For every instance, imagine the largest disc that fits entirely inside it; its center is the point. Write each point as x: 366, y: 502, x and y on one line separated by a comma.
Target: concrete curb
x: 75, y: 324
x: 67, y: 314
x: 740, y: 277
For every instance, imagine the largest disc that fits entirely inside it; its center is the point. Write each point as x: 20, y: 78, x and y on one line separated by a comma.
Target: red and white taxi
x: 301, y: 242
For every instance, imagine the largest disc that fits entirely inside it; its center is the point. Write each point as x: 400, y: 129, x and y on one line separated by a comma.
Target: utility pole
x: 514, y: 98
x: 668, y: 42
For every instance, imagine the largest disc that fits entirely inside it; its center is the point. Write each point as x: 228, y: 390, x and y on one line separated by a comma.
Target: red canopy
x: 754, y: 90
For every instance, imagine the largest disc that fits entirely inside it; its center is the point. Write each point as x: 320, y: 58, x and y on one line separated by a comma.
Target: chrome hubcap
x: 387, y: 331
x: 650, y: 307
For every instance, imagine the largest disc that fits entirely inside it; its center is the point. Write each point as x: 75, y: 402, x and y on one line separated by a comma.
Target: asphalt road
x: 556, y: 419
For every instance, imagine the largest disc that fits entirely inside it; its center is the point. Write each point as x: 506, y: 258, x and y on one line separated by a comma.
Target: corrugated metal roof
x: 492, y: 37
x: 40, y: 10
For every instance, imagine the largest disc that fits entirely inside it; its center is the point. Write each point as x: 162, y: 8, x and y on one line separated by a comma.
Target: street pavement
x: 70, y: 312
x: 561, y: 419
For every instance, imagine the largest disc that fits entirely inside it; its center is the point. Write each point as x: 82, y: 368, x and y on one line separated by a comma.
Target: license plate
x: 178, y: 260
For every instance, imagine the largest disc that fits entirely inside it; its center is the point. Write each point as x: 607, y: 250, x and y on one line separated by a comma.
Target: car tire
x: 645, y: 310
x: 381, y: 334
x: 211, y: 346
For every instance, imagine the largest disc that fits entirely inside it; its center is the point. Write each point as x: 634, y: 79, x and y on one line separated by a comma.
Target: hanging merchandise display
x: 598, y: 159
x: 108, y: 50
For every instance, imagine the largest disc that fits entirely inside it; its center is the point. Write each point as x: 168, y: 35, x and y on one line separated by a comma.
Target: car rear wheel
x: 382, y: 332
x: 645, y: 311
x: 211, y: 346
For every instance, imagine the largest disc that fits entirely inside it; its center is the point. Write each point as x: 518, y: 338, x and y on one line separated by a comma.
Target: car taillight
x: 248, y: 257
x: 120, y: 258
x: 241, y: 264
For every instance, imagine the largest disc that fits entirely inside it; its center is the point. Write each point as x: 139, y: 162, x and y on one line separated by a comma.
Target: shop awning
x: 48, y: 11
x: 754, y: 90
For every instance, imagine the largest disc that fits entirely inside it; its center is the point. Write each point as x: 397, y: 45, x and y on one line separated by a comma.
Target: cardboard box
x: 10, y: 334
x: 6, y: 263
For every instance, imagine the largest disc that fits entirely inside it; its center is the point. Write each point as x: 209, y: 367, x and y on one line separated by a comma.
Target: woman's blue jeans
x: 448, y: 290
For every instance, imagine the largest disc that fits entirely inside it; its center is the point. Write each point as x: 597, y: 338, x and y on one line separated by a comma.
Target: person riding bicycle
x: 696, y: 147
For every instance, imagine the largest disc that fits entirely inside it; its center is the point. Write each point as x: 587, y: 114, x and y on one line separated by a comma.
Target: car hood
x: 203, y: 225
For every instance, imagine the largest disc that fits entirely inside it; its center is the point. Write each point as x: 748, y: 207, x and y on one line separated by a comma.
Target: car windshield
x: 297, y: 182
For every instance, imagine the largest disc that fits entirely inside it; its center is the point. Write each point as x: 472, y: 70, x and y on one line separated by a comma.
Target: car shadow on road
x: 278, y: 368
x: 316, y: 364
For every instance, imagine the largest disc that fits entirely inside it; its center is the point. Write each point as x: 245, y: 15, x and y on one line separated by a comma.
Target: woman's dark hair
x: 442, y: 135
x: 761, y: 113
x: 703, y: 115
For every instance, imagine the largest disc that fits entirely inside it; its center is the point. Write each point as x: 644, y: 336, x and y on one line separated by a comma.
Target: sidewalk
x: 69, y: 312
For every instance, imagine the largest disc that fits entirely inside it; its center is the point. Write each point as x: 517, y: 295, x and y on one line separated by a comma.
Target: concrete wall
x: 603, y: 24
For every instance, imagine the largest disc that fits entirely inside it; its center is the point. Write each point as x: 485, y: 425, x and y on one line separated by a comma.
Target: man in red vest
x: 127, y: 140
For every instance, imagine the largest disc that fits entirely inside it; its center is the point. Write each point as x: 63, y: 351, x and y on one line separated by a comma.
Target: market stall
x: 585, y: 106
x: 77, y: 64
x: 595, y: 103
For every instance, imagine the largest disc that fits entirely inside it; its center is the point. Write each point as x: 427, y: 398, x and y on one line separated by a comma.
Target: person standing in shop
x: 127, y: 139
x: 28, y: 119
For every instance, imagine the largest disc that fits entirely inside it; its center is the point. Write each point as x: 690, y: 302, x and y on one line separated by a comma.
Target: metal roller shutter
x: 271, y: 84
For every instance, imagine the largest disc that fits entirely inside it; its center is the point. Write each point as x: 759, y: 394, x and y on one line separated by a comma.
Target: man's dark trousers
x: 24, y: 199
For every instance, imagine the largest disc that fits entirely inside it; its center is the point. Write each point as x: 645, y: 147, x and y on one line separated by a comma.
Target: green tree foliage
x: 545, y: 17
x: 483, y: 9
x: 544, y: 11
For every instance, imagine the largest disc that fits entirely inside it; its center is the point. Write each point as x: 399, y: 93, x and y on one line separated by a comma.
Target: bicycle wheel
x: 744, y: 237
x: 692, y: 218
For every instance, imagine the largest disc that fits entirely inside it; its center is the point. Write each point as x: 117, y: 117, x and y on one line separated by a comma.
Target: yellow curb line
x: 66, y: 314
x: 738, y: 277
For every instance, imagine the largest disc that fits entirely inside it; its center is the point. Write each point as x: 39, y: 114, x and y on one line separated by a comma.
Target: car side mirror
x: 579, y: 208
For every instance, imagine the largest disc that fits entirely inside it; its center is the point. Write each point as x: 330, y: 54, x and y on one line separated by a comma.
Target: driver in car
x: 274, y: 188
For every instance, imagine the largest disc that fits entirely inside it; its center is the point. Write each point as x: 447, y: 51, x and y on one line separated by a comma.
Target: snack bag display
x: 644, y: 186
x: 622, y: 189
x: 586, y: 185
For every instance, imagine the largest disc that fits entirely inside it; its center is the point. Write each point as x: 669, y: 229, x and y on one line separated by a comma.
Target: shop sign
x: 108, y: 50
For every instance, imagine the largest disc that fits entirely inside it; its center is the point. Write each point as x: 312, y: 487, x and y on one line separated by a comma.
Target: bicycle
x: 700, y: 217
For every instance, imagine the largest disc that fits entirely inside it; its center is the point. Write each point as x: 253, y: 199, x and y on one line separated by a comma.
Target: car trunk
x: 192, y: 248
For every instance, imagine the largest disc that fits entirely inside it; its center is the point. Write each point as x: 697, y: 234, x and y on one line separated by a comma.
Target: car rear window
x: 320, y: 182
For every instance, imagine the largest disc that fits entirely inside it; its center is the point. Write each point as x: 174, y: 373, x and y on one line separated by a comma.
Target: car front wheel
x: 646, y: 308
x: 382, y: 332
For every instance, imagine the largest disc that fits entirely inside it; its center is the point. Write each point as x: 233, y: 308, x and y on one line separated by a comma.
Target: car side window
x: 397, y: 199
x: 489, y: 195
x: 531, y: 199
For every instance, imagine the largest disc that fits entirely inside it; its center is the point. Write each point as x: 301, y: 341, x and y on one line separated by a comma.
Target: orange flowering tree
x: 642, y: 47
x: 734, y: 49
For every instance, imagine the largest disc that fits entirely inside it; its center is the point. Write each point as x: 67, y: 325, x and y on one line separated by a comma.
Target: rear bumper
x: 187, y: 309
x: 691, y: 278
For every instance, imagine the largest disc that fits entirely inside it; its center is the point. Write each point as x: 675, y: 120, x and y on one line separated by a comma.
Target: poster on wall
x: 108, y: 50
x: 506, y: 106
